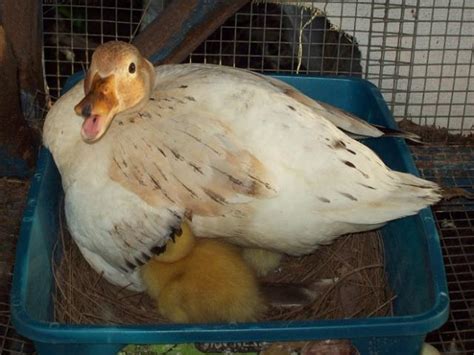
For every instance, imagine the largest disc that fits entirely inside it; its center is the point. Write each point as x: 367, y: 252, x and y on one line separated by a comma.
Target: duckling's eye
x: 132, y: 68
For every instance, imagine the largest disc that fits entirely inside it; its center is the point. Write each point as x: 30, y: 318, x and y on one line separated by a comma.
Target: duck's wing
x: 208, y: 76
x: 354, y: 126
x: 190, y: 160
x: 178, y: 165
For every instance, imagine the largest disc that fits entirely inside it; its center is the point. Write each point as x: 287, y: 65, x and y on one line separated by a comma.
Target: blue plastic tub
x: 413, y: 263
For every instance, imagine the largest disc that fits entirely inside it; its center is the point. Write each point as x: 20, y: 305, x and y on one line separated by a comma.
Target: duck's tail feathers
x: 412, y: 195
x: 408, y: 195
x: 390, y: 132
x: 356, y: 127
x: 422, y: 189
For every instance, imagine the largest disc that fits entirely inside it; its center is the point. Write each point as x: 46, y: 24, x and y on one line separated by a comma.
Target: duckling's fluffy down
x: 211, y: 284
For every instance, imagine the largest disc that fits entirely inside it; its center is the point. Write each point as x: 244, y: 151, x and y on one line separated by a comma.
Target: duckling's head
x: 119, y: 79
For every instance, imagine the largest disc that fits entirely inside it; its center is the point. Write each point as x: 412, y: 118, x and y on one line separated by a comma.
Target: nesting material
x: 351, y: 269
x: 432, y: 134
x: 349, y: 274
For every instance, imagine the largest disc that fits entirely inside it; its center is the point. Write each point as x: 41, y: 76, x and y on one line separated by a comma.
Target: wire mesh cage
x: 73, y: 29
x: 455, y: 221
x: 419, y: 53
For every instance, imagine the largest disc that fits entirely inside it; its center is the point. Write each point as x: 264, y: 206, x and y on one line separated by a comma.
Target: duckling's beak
x: 98, y: 107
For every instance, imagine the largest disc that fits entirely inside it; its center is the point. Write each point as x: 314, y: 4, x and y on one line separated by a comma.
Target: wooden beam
x: 21, y: 74
x: 22, y: 23
x: 183, y: 26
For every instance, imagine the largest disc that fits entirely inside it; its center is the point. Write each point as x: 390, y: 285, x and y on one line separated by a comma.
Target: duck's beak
x: 98, y: 107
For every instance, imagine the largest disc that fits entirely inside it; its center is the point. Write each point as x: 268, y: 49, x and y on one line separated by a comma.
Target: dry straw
x: 353, y: 263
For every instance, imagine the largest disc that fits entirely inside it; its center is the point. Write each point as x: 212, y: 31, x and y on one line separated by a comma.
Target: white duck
x: 235, y: 154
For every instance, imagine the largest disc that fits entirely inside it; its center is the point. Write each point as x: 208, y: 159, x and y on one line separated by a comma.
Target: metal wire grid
x: 10, y: 341
x: 72, y: 29
x: 453, y: 166
x: 418, y: 52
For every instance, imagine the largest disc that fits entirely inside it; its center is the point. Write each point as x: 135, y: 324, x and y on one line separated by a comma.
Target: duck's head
x: 119, y: 79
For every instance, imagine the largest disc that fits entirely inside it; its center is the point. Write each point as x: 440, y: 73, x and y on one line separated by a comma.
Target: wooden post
x: 21, y: 75
x: 183, y: 26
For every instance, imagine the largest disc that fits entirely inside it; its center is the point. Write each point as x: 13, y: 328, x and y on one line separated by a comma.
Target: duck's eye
x: 132, y: 68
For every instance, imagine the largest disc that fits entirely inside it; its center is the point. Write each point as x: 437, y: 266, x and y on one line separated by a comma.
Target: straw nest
x: 351, y: 267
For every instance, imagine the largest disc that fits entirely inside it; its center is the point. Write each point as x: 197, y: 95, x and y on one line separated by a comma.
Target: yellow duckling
x: 202, y: 281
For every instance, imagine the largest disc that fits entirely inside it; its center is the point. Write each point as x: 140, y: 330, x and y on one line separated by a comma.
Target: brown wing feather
x: 191, y: 161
